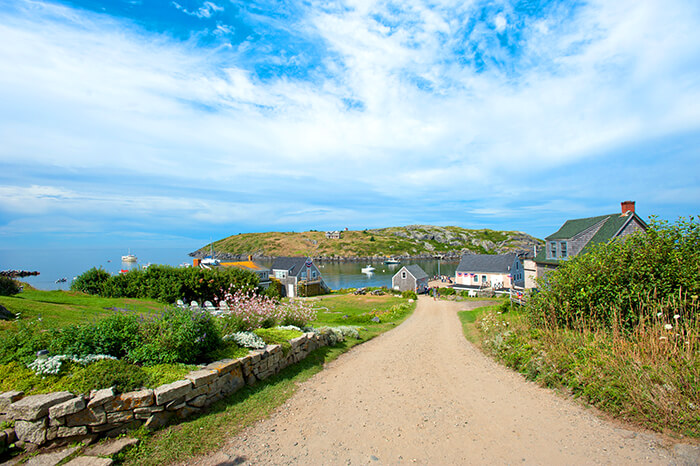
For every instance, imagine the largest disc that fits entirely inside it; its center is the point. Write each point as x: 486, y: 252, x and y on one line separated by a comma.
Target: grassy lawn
x: 469, y: 320
x: 62, y: 308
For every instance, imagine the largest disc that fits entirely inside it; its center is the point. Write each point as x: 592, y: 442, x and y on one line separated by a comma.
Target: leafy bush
x: 447, y: 291
x: 610, y: 283
x: 165, y: 283
x: 176, y: 335
x: 409, y: 294
x: 8, y: 286
x: 250, y: 311
x: 91, y: 282
x: 22, y: 341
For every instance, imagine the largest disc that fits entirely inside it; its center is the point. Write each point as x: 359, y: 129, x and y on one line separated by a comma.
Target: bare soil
x: 423, y: 394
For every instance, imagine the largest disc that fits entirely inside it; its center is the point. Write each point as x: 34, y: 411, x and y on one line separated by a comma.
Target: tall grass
x: 649, y: 375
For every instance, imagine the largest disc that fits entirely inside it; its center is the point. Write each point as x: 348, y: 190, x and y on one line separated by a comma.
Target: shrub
x: 447, y: 291
x: 91, y: 282
x: 609, y: 283
x: 409, y: 294
x: 8, y: 286
x: 247, y: 340
x: 22, y: 341
x: 176, y: 335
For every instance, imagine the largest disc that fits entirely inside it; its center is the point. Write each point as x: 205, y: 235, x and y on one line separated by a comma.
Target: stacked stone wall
x: 62, y: 417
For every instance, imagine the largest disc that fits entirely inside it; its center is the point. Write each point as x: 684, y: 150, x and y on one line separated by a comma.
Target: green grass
x: 62, y: 308
x: 650, y: 377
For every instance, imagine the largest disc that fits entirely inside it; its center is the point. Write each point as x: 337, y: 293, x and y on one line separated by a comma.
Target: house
x: 524, y: 271
x: 333, y: 234
x: 485, y: 271
x: 263, y: 273
x: 294, y: 271
x: 577, y: 236
x: 410, y: 278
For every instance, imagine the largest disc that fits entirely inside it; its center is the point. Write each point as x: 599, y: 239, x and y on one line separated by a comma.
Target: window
x: 476, y: 279
x: 483, y: 279
x: 403, y: 275
x: 303, y: 275
x: 563, y: 249
x: 313, y: 274
x: 553, y: 247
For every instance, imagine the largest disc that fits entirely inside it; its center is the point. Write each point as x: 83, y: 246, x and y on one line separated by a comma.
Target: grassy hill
x: 413, y: 240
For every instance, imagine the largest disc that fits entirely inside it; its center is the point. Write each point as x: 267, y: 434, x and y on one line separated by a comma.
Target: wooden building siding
x: 410, y: 283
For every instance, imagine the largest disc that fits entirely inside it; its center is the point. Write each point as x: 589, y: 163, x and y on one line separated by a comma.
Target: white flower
x: 659, y: 314
x: 668, y: 326
x: 663, y: 338
x: 677, y: 316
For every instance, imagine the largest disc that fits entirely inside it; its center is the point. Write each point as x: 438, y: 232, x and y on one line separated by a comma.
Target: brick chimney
x: 627, y: 207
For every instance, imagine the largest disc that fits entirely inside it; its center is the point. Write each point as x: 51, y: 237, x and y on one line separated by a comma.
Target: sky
x: 143, y: 122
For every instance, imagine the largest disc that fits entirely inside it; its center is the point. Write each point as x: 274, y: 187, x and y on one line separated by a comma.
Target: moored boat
x: 368, y: 269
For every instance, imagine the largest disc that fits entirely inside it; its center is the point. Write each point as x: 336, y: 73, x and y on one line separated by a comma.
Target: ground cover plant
x: 618, y: 327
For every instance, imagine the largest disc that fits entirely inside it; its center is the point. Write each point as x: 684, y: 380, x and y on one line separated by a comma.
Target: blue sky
x: 146, y: 122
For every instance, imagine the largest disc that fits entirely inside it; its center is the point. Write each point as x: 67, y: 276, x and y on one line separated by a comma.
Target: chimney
x: 627, y: 206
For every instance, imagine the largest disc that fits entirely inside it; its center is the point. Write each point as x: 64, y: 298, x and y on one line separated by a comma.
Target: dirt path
x: 422, y: 394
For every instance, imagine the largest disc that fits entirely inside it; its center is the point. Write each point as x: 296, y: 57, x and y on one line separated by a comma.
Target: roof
x: 488, y: 263
x: 247, y: 265
x: 291, y: 264
x: 611, y: 226
x: 415, y: 270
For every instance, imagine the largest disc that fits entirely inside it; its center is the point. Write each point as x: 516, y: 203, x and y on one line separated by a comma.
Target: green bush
x: 91, y: 282
x: 164, y: 283
x: 409, y: 294
x: 447, y: 291
x: 176, y: 335
x: 8, y: 286
x: 613, y: 280
x: 114, y: 335
x: 21, y: 341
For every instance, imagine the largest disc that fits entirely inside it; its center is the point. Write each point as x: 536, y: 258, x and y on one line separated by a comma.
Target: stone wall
x: 62, y: 417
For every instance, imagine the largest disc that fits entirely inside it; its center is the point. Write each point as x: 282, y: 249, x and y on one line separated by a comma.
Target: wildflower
x: 668, y: 326
x: 659, y: 314
x: 663, y: 338
x: 677, y: 316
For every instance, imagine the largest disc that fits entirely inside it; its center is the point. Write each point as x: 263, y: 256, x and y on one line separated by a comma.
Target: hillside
x: 409, y: 241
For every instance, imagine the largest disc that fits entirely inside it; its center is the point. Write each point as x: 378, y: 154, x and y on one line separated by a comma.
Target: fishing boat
x: 129, y: 257
x: 392, y: 261
x: 368, y: 269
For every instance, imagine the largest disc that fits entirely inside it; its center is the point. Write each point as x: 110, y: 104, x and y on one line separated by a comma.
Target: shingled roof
x: 416, y: 270
x: 292, y: 264
x: 487, y: 263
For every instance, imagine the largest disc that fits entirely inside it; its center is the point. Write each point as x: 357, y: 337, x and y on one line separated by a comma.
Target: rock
x: 224, y: 366
x: 31, y: 431
x: 87, y: 417
x: 100, y: 397
x: 7, y: 398
x: 171, y: 391
x: 34, y: 407
x: 65, y: 408
x: 130, y: 400
x: 120, y: 416
x: 89, y: 461
x: 5, y: 314
x: 50, y: 459
x: 202, y: 377
x: 111, y: 447
x: 158, y: 420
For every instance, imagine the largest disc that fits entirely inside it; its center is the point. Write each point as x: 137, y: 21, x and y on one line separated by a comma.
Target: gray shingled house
x: 485, y: 271
x: 577, y: 236
x: 294, y: 271
x: 410, y: 278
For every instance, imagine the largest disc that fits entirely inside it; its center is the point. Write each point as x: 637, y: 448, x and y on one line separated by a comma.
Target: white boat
x: 392, y: 261
x: 129, y: 257
x: 368, y: 269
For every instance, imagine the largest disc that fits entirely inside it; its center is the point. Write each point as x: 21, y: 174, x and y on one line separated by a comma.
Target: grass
x: 209, y: 431
x: 649, y: 377
x: 61, y: 308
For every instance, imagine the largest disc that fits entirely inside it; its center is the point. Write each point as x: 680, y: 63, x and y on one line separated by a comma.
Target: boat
x: 392, y: 261
x: 129, y: 257
x: 62, y: 280
x: 368, y: 269
x: 210, y: 260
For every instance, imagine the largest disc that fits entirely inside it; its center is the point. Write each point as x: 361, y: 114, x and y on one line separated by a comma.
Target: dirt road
x: 422, y: 394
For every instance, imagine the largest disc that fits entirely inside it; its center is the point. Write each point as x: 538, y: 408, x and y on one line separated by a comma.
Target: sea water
x: 54, y: 264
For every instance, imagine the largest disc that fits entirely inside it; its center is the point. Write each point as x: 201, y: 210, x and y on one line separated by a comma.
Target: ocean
x: 54, y: 264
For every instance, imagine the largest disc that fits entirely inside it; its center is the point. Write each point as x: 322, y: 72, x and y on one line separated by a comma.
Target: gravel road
x: 422, y: 394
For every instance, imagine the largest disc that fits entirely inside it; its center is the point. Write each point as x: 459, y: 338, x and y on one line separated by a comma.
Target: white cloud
x: 500, y: 22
